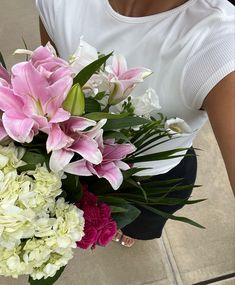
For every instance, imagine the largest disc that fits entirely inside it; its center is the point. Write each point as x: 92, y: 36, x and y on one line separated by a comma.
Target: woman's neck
x: 141, y: 8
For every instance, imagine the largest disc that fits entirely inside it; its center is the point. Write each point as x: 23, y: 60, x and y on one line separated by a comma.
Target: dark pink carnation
x: 107, y: 233
x: 99, y: 225
x: 89, y: 238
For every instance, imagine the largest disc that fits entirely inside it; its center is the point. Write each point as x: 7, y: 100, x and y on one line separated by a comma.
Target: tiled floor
x: 184, y: 255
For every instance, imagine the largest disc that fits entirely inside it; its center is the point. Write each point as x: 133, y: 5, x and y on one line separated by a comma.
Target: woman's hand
x: 220, y: 107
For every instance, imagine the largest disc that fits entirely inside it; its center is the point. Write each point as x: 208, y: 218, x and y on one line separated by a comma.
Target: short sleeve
x: 47, y: 13
x: 214, y: 59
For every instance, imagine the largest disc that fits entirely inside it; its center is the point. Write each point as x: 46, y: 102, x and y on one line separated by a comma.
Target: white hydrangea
x: 10, y: 157
x: 37, y: 232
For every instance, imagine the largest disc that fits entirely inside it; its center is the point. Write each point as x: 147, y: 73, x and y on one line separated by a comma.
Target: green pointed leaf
x: 91, y: 105
x: 72, y: 187
x: 117, y: 136
x: 96, y: 116
x: 158, y: 156
x: 47, y: 281
x: 125, y: 218
x: 85, y: 74
x: 75, y: 101
x: 2, y: 61
x: 116, y: 209
x: 32, y: 159
x: 172, y: 217
x: 126, y: 122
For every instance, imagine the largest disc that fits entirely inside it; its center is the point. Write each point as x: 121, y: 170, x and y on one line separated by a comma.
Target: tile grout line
x: 172, y: 265
x: 166, y: 261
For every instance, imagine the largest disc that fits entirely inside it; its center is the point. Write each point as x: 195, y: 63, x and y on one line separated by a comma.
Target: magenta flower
x: 99, y: 225
x: 122, y: 79
x: 110, y: 166
x: 4, y: 74
x: 82, y: 142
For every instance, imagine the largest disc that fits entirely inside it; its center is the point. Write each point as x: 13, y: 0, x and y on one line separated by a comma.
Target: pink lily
x: 32, y: 104
x: 111, y: 165
x: 83, y: 143
x: 122, y: 79
x: 4, y: 74
x: 45, y: 60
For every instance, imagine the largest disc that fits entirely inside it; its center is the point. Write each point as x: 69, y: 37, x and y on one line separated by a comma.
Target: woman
x: 190, y: 47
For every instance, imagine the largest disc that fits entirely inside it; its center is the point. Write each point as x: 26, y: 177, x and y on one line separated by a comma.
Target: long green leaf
x: 85, y: 74
x: 96, y: 116
x: 172, y: 217
x: 126, y: 122
x: 125, y: 218
x: 91, y: 105
x: 47, y: 281
x: 2, y: 61
x: 158, y: 156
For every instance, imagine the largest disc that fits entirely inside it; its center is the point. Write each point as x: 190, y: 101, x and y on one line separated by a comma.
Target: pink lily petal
x: 57, y: 139
x: 8, y: 100
x: 122, y: 165
x: 77, y: 124
x: 117, y: 151
x: 119, y: 64
x: 18, y: 127
x: 63, y: 72
x: 60, y: 116
x: 135, y: 74
x: 42, y: 123
x: 96, y: 130
x: 41, y: 53
x: 78, y: 168
x: 57, y: 94
x: 29, y: 84
x: 59, y: 159
x: 4, y: 74
x: 110, y: 172
x: 87, y: 148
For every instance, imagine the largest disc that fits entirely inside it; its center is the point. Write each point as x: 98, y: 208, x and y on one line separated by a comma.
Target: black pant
x: 149, y: 225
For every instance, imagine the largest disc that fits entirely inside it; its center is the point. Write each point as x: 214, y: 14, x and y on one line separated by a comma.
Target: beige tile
x: 204, y: 254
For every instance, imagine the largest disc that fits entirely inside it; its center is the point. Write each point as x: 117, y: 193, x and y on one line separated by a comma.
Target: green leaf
x: 117, y: 136
x: 85, y: 74
x: 96, y: 116
x: 91, y: 105
x: 2, y: 61
x: 116, y: 209
x: 125, y: 218
x: 47, y: 281
x: 130, y: 172
x: 100, y: 95
x: 172, y: 217
x: 138, y: 186
x: 72, y: 187
x: 158, y: 156
x: 126, y: 122
x: 75, y: 101
x: 32, y: 159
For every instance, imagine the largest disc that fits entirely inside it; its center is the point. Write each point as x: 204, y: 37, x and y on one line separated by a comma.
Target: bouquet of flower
x: 71, y: 138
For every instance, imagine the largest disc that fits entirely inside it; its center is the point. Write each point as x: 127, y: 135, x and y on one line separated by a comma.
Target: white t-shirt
x: 189, y: 49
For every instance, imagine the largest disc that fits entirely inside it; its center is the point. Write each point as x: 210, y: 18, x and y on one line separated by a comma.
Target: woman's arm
x: 220, y: 107
x: 44, y: 35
